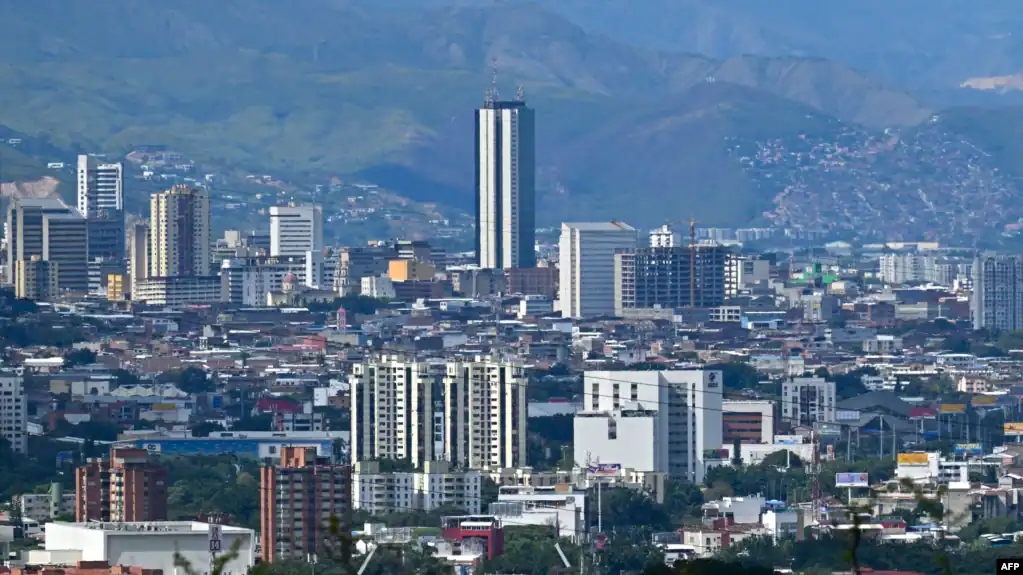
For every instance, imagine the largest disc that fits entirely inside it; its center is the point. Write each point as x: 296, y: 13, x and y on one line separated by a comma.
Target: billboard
x: 605, y: 469
x: 984, y: 400
x: 851, y: 480
x: 165, y: 407
x: 913, y: 459
x: 715, y: 454
x: 969, y: 449
x: 953, y: 407
x: 788, y: 439
x: 1013, y: 428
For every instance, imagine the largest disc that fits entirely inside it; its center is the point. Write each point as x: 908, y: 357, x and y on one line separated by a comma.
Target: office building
x: 747, y: 421
x: 380, y: 493
x: 505, y: 185
x: 100, y: 187
x: 355, y: 263
x: 179, y: 291
x: 295, y: 230
x: 669, y: 278
x: 52, y: 230
x: 247, y: 281
x: 13, y: 412
x: 665, y: 237
x: 101, y: 203
x: 485, y: 414
x: 38, y: 279
x: 662, y: 421
x: 807, y: 401
x: 997, y: 300
x: 298, y: 499
x: 392, y: 409
x: 138, y: 253
x: 124, y: 487
x: 179, y: 233
x: 587, y: 263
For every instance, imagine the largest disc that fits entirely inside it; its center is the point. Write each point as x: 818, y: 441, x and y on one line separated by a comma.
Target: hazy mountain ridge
x: 335, y: 87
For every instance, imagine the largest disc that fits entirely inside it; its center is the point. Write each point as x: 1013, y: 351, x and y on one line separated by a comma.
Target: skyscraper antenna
x: 493, y: 78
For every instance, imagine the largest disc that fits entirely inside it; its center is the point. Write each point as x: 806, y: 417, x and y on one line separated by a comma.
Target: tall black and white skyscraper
x: 101, y: 202
x: 505, y: 185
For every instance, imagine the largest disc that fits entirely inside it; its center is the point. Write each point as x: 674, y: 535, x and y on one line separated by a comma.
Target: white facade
x: 178, y: 291
x: 556, y: 506
x: 808, y: 400
x: 40, y: 506
x: 100, y: 187
x: 149, y: 545
x: 392, y: 410
x: 763, y: 407
x: 247, y: 281
x: 13, y: 412
x: 295, y: 230
x: 650, y: 420
x: 380, y: 287
x: 997, y: 299
x: 587, y: 266
x: 485, y: 414
x: 505, y: 186
x: 783, y: 523
x: 664, y: 237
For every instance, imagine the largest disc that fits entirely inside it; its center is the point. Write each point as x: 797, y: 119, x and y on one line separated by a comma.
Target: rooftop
x: 612, y: 226
x: 150, y: 527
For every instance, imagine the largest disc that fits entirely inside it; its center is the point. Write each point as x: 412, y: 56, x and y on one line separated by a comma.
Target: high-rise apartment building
x: 997, y: 299
x: 126, y: 487
x: 664, y: 237
x: 295, y: 230
x: 101, y: 203
x: 808, y: 400
x: 392, y: 409
x: 38, y: 279
x: 13, y: 411
x: 298, y: 499
x: 903, y: 268
x: 179, y: 233
x: 471, y: 414
x: 587, y: 266
x: 505, y: 185
x: 138, y: 253
x: 484, y: 406
x: 663, y: 421
x: 379, y: 493
x: 669, y: 277
x: 52, y: 230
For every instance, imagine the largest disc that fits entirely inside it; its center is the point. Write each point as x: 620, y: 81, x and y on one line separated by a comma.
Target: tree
x: 205, y: 428
x: 219, y: 564
x: 624, y: 507
x: 81, y: 356
x: 737, y: 375
x: 190, y: 380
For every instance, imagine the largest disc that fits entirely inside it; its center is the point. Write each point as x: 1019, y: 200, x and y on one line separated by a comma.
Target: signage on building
x: 953, y: 407
x: 215, y: 543
x: 788, y: 439
x: 712, y: 380
x: 984, y: 400
x: 605, y: 469
x: 913, y: 459
x: 151, y: 447
x: 715, y: 454
x: 1013, y: 428
x: 829, y: 429
x: 851, y: 480
x: 969, y: 449
x: 164, y: 407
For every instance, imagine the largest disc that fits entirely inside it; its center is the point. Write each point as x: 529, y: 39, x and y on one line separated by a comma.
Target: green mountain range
x: 307, y: 89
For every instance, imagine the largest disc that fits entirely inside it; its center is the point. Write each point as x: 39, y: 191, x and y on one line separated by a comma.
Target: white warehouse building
x: 149, y: 545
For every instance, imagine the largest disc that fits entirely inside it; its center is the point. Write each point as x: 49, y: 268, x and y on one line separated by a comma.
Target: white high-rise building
x: 179, y: 233
x: 479, y: 405
x: 505, y: 185
x: 808, y: 400
x: 587, y: 266
x: 664, y: 237
x: 663, y: 421
x: 295, y: 230
x: 100, y: 187
x: 485, y: 414
x: 392, y: 409
x: 13, y: 411
x: 997, y: 299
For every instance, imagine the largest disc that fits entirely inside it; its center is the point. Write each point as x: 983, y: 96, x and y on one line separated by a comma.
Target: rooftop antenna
x: 490, y: 95
x: 520, y: 94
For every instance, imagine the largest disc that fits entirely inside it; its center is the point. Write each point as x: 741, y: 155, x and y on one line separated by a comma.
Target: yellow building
x: 37, y: 279
x: 116, y: 284
x: 410, y: 270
